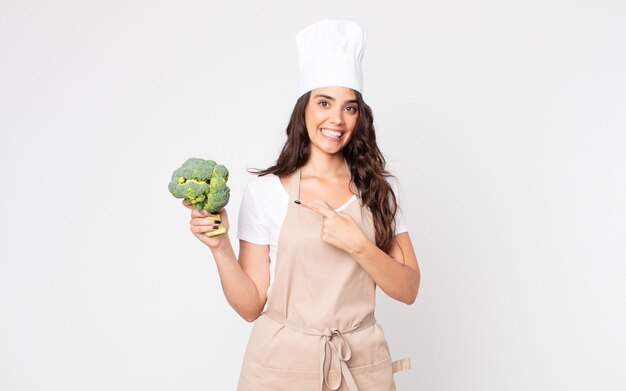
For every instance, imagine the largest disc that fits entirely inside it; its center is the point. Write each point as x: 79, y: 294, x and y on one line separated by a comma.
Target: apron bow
x: 332, y: 355
x: 334, y: 348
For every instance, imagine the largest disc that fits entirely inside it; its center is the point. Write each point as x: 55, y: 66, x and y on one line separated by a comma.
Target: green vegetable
x: 203, y: 184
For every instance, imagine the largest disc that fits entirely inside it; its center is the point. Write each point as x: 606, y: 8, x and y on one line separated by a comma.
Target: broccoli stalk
x: 203, y: 184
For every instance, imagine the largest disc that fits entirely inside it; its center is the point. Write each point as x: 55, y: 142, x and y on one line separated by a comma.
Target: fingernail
x: 216, y: 226
x: 218, y: 221
x: 297, y: 202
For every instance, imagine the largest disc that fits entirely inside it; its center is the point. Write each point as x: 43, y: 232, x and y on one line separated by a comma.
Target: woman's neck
x: 325, y: 165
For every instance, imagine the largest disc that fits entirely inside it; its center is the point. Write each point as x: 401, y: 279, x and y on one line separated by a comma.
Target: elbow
x: 411, y: 299
x: 250, y: 317
x: 413, y: 291
x: 249, y: 314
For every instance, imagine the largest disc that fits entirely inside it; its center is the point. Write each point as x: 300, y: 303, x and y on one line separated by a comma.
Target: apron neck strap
x: 294, y: 186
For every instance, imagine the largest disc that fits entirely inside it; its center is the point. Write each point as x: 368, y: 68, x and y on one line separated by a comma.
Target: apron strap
x: 401, y: 364
x: 294, y: 186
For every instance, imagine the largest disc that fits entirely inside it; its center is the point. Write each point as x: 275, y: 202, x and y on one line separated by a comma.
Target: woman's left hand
x: 339, y: 229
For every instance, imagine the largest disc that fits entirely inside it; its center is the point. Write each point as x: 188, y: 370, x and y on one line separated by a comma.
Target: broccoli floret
x: 203, y: 184
x: 219, y: 193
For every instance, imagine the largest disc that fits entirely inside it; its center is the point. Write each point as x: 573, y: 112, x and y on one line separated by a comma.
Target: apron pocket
x: 289, y: 350
x: 277, y: 379
x: 377, y: 376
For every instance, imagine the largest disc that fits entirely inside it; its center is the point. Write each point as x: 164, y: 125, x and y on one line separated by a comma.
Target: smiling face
x: 331, y: 116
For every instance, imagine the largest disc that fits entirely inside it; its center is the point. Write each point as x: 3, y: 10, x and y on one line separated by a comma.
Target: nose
x: 336, y: 116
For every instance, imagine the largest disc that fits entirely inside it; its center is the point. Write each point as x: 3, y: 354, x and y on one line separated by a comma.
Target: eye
x: 323, y: 102
x: 354, y: 109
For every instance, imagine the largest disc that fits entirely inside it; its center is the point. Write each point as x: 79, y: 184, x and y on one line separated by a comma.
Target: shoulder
x: 264, y: 190
x: 263, y: 183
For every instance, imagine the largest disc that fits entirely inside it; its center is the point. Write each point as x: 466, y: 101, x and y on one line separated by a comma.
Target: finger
x: 324, y: 211
x: 194, y: 209
x: 220, y: 214
x: 200, y: 229
x: 204, y: 221
x: 195, y: 213
x: 203, y: 214
x: 344, y: 215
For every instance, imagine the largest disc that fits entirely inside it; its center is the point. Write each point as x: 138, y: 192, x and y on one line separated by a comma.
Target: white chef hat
x: 330, y: 54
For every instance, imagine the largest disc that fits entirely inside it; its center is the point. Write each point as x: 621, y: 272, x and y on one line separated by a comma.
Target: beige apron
x: 319, y: 332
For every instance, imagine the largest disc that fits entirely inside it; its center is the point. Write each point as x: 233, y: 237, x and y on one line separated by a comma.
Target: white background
x: 504, y: 122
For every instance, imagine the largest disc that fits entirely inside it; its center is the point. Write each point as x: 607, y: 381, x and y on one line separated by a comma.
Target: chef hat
x: 330, y: 54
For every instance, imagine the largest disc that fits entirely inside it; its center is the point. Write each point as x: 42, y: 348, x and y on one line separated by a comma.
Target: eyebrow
x: 333, y: 99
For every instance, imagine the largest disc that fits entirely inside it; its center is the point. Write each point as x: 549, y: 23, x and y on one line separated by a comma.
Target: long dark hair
x: 366, y: 162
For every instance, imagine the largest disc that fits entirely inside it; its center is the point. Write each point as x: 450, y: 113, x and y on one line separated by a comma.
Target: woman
x: 318, y: 232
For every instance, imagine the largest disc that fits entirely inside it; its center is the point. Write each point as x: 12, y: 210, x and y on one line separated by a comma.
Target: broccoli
x: 203, y: 184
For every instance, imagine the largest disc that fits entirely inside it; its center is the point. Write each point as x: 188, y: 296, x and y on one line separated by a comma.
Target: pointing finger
x: 324, y: 211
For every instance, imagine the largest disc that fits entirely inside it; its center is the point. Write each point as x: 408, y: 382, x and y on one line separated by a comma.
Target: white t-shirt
x: 264, y: 207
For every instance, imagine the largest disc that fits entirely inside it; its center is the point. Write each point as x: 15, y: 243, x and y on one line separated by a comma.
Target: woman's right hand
x: 201, y: 223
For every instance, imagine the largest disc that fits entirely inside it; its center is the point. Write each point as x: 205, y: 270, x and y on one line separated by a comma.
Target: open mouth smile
x: 331, y: 135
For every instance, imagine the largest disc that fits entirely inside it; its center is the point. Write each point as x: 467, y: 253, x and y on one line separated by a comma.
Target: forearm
x: 238, y: 287
x: 394, y: 278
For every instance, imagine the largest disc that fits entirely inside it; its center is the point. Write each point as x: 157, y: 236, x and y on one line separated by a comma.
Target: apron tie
x: 334, y: 349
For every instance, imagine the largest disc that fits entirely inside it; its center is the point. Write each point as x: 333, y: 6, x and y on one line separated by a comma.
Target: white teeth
x: 331, y: 133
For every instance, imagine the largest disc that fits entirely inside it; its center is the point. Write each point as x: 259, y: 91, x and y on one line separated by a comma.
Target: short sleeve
x: 400, y: 221
x: 251, y: 222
